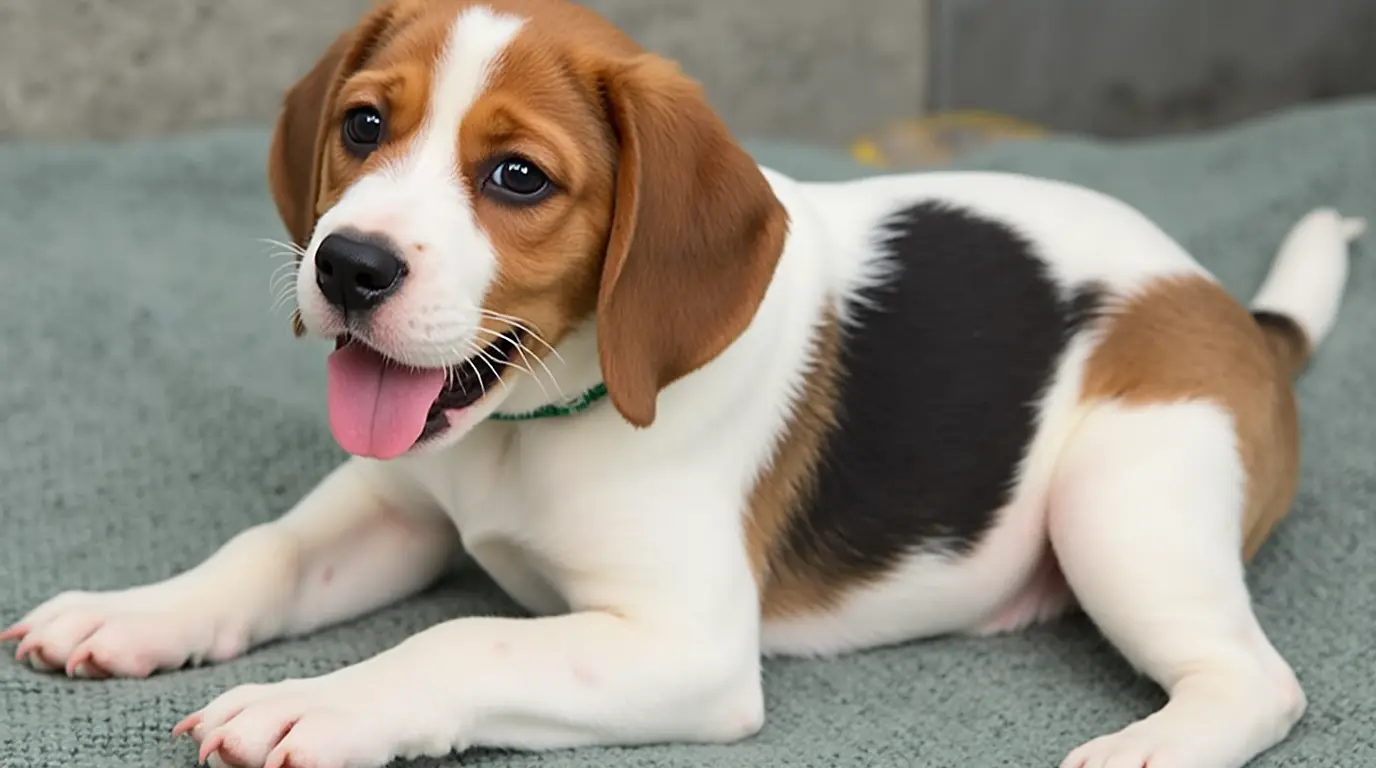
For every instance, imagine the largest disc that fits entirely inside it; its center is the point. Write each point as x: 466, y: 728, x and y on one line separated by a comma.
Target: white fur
x: 1082, y: 234
x: 420, y: 203
x: 1145, y: 521
x: 1306, y: 282
x: 628, y: 543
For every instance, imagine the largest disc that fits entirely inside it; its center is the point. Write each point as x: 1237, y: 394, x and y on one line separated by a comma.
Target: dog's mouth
x: 381, y: 408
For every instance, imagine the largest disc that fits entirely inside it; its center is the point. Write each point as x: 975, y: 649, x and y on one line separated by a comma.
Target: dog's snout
x: 356, y: 273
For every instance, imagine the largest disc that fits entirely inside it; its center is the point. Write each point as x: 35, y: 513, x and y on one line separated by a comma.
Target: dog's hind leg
x: 1146, y: 520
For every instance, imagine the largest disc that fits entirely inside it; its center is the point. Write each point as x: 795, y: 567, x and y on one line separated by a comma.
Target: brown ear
x: 296, y: 156
x: 696, y: 234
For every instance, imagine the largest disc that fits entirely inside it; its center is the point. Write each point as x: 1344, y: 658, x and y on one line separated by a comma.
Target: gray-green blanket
x: 151, y: 405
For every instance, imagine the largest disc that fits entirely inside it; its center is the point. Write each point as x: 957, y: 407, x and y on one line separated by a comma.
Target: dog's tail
x: 1298, y: 302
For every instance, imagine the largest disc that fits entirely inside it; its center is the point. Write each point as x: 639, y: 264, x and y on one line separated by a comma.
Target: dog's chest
x: 493, y: 502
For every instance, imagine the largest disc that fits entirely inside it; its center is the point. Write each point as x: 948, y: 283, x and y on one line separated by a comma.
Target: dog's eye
x: 517, y: 180
x: 362, y: 131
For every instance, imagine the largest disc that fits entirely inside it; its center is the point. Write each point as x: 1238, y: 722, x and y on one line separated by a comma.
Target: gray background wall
x: 1131, y: 67
x: 822, y: 70
x: 816, y: 69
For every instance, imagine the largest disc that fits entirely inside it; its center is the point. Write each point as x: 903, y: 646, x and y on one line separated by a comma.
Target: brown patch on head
x: 661, y: 224
x: 393, y: 74
x: 308, y: 168
x: 1186, y: 338
x: 786, y: 584
x: 533, y: 107
x: 302, y: 161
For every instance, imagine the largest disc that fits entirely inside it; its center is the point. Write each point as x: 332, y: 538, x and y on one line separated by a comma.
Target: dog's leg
x: 1146, y: 522
x: 662, y: 645
x: 579, y: 679
x: 359, y: 540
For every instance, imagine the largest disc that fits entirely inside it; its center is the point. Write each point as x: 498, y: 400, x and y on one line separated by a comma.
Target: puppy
x: 688, y: 411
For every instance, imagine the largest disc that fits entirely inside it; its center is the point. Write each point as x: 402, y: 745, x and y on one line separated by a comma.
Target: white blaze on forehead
x: 476, y: 41
x: 418, y: 202
x: 424, y: 176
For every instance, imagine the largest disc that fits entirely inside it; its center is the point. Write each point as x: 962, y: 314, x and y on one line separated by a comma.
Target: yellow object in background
x: 936, y: 139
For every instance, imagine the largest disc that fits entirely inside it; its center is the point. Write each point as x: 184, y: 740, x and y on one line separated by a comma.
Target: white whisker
x: 478, y: 376
x: 489, y: 359
x: 521, y: 325
x: 534, y: 335
x: 287, y: 289
x: 528, y: 368
x: 520, y: 347
x: 281, y: 277
x: 503, y: 337
x: 282, y: 280
x: 283, y: 301
x: 287, y: 249
x: 283, y: 298
x: 478, y: 352
x: 508, y: 363
x: 289, y: 266
x: 450, y: 377
x: 553, y: 379
x: 281, y: 288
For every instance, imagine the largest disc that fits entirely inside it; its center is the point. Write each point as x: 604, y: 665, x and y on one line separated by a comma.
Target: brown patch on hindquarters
x: 1185, y: 338
x: 786, y: 585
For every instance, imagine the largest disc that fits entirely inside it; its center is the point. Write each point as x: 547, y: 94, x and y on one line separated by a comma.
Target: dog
x: 688, y: 412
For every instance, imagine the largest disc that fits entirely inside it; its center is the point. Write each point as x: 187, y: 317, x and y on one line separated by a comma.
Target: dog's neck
x: 565, y: 379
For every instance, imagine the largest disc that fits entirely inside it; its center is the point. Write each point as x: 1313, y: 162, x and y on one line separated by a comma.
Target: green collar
x: 578, y: 404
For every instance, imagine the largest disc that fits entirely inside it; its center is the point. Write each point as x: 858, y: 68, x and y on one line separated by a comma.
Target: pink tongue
x: 378, y: 408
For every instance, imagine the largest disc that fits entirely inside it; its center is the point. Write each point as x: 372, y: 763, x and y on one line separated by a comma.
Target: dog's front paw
x: 334, y: 721
x: 123, y: 634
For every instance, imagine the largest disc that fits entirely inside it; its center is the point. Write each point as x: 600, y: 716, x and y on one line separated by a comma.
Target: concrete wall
x: 809, y: 69
x: 822, y: 70
x: 1132, y: 67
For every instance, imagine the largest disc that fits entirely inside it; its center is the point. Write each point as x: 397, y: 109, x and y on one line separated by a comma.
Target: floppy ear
x: 296, y: 156
x: 696, y: 233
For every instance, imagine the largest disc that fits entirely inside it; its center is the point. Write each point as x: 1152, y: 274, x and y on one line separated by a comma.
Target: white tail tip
x: 1307, y: 278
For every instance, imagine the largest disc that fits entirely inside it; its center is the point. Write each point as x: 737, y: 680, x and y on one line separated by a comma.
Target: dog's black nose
x: 354, y: 273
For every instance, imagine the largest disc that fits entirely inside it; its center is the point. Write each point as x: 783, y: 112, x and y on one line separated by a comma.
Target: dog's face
x: 471, y: 181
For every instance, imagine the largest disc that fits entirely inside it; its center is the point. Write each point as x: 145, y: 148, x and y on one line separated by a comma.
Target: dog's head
x: 470, y: 182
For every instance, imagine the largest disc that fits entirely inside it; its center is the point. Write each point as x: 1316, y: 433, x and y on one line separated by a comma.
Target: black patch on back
x: 942, y: 370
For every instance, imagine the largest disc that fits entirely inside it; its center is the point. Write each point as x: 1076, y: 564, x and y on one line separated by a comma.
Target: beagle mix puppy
x: 688, y: 411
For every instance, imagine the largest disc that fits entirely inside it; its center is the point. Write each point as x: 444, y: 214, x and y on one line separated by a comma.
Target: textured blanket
x: 152, y: 404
